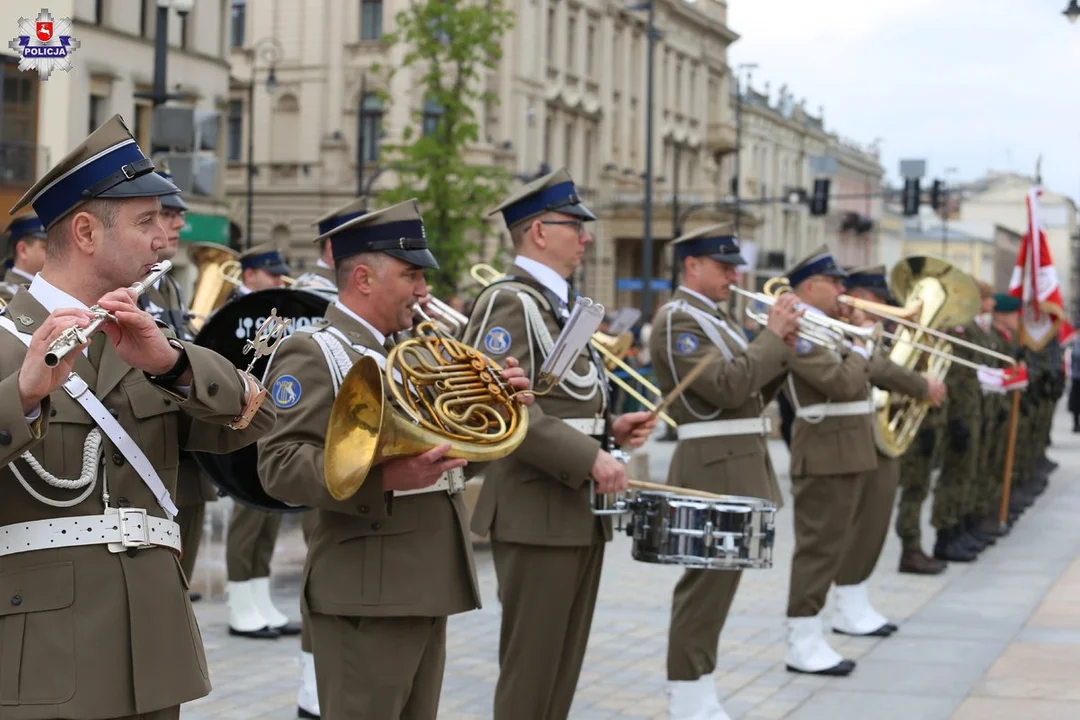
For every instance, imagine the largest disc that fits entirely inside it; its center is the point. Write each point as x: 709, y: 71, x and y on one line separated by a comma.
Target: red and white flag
x: 1035, y: 282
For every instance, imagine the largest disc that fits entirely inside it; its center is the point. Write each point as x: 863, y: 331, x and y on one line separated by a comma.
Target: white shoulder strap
x: 77, y: 388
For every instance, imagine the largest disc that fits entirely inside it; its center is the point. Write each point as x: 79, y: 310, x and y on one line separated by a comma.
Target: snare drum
x: 729, y: 533
x: 608, y: 503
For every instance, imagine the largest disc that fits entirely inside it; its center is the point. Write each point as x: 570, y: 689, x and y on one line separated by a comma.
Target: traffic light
x: 819, y: 201
x: 937, y: 194
x: 912, y: 193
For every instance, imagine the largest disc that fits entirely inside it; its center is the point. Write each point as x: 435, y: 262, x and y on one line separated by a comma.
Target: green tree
x: 450, y: 45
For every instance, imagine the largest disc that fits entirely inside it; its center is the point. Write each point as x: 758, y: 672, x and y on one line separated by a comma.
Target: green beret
x: 1005, y: 303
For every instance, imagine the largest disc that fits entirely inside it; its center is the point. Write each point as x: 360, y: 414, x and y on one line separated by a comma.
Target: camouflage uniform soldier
x: 916, y: 465
x: 958, y: 463
x: 1005, y: 322
x: 986, y: 492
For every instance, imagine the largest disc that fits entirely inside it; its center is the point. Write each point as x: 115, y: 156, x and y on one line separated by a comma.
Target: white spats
x: 694, y: 700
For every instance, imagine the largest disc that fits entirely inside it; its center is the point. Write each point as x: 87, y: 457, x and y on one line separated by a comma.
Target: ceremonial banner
x: 1035, y: 282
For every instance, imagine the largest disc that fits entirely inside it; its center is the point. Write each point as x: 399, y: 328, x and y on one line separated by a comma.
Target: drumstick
x: 642, y: 485
x: 679, y: 389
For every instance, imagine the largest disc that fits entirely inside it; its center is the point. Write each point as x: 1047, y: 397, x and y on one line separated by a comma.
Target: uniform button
x: 167, y: 401
x: 363, y: 509
x: 52, y: 413
x: 5, y: 437
x: 212, y: 388
x: 565, y: 476
x: 112, y: 411
x: 16, y: 599
x: 376, y: 526
x: 117, y: 458
x: 123, y: 502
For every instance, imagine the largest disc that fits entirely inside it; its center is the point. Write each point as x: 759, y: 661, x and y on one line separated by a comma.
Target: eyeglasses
x: 575, y: 223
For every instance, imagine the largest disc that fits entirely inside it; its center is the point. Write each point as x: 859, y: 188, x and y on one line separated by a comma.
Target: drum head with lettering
x: 234, y: 324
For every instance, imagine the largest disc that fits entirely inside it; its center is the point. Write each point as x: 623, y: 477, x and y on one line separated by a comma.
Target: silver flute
x: 75, y: 336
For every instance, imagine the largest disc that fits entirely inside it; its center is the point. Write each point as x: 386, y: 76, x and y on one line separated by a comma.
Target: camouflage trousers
x: 916, y: 466
x: 1027, y: 444
x: 985, y: 489
x: 953, y: 496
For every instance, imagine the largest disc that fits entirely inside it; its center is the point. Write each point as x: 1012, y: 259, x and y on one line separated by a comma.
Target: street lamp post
x: 271, y: 51
x: 159, y: 94
x: 1072, y: 12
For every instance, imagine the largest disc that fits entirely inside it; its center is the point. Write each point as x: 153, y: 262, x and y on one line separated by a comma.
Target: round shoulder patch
x: 686, y: 344
x: 497, y: 340
x: 803, y: 346
x: 285, y: 391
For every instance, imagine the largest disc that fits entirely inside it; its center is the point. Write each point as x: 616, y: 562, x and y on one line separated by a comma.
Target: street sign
x: 637, y: 284
x: 912, y: 169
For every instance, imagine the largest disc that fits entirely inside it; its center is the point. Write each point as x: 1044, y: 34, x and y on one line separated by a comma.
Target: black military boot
x: 972, y: 527
x: 961, y: 535
x: 948, y: 548
x: 989, y: 525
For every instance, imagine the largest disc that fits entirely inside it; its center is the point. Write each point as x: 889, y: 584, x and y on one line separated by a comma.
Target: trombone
x: 814, y: 327
x: 485, y: 274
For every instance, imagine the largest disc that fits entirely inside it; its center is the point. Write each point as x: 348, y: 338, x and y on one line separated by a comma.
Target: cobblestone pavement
x: 994, y: 639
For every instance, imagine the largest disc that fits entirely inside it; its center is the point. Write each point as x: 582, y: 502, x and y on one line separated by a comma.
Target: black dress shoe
x: 266, y: 633
x: 842, y: 668
x: 306, y: 714
x: 884, y: 631
x: 288, y: 629
x: 194, y: 596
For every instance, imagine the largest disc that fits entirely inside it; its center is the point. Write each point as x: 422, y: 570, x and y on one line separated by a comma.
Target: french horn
x: 433, y: 390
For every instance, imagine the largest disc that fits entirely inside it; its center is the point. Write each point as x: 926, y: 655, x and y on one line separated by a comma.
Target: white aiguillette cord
x: 77, y: 388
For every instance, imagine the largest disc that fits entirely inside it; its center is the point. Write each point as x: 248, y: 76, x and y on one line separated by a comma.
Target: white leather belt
x: 722, y: 428
x: 120, y: 529
x: 589, y: 426
x: 451, y: 481
x: 822, y: 410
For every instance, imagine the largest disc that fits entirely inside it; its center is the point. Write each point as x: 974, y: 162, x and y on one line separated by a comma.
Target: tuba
x: 211, y: 290
x: 935, y: 295
x: 434, y: 390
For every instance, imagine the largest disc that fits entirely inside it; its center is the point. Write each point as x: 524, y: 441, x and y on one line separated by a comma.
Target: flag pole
x: 1010, y: 450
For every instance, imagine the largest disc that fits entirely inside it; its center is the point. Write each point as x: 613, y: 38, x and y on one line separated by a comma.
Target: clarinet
x: 74, y: 337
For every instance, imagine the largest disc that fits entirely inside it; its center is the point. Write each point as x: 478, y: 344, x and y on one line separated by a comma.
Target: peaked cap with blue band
x: 554, y: 192
x: 397, y: 230
x: 107, y: 165
x: 713, y: 241
x: 264, y: 257
x: 819, y: 262
x: 173, y: 202
x: 25, y: 226
x: 872, y: 278
x: 336, y: 218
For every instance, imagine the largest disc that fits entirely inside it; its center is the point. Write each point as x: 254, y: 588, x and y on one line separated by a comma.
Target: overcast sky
x: 970, y: 84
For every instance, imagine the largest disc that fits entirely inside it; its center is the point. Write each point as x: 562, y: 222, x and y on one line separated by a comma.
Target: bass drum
x: 236, y: 474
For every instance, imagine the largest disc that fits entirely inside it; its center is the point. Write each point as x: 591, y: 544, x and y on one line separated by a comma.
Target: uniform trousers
x: 548, y: 595
x: 378, y: 668
x: 190, y: 519
x: 699, y: 608
x: 953, y: 496
x: 824, y: 519
x: 249, y: 545
x: 308, y: 521
x: 872, y: 518
x: 916, y: 470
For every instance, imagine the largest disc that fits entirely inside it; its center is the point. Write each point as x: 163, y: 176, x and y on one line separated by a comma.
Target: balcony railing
x: 21, y: 164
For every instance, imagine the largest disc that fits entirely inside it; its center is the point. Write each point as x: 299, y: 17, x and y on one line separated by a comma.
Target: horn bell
x: 211, y: 288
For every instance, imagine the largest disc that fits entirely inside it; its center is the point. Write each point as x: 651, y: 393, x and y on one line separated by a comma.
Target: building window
x: 99, y: 12
x: 144, y: 18
x: 371, y: 19
x: 549, y: 130
x: 234, y: 140
x: 433, y: 112
x: 18, y: 130
x: 571, y: 32
x: 184, y: 30
x: 568, y: 146
x: 143, y: 115
x: 97, y: 112
x: 587, y: 156
x: 371, y: 114
x: 590, y: 52
x: 551, y: 36
x: 678, y: 87
x: 239, y: 22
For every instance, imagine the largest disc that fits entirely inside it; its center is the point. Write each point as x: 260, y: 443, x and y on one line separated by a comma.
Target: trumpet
x: 231, y: 272
x: 485, y: 274
x: 449, y: 320
x: 73, y: 337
